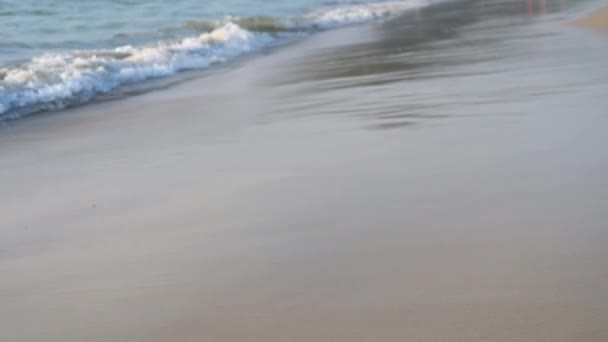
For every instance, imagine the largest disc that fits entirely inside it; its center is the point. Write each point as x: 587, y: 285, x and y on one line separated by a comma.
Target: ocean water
x: 59, y: 53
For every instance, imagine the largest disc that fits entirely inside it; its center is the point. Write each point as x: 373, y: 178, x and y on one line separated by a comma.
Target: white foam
x: 355, y: 14
x: 56, y: 80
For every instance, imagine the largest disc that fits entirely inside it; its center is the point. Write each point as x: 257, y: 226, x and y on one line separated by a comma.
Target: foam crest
x: 52, y: 81
x: 360, y: 13
x: 320, y: 19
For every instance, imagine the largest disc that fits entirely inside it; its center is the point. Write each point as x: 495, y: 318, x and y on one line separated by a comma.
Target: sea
x: 60, y: 53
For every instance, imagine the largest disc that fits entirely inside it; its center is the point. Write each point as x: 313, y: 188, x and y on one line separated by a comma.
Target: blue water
x: 58, y: 53
x: 28, y: 27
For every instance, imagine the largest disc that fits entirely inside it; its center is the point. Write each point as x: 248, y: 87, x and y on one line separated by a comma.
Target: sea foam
x: 52, y: 81
x: 360, y: 13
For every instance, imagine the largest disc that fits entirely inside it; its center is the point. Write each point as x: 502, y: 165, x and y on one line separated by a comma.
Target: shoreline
x: 78, y: 76
x: 386, y: 182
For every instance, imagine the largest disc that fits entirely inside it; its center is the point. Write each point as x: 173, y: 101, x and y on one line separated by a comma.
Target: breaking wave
x: 57, y: 80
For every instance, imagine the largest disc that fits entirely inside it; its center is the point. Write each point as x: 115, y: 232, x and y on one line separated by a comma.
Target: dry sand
x: 597, y: 20
x: 243, y: 207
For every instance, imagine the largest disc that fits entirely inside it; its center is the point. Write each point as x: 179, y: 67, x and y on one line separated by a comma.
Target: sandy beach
x: 436, y: 177
x: 597, y: 20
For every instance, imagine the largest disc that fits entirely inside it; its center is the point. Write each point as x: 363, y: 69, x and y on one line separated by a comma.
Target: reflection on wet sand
x: 400, y: 75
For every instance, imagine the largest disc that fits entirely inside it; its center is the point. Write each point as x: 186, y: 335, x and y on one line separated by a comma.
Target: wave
x: 57, y: 80
x: 252, y: 24
x: 318, y: 20
x: 328, y: 18
x: 54, y: 81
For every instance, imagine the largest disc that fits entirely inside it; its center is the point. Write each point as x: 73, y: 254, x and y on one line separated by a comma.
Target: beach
x: 436, y: 176
x: 596, y: 20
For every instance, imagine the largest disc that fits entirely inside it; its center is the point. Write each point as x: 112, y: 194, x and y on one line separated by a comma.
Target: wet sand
x: 438, y: 177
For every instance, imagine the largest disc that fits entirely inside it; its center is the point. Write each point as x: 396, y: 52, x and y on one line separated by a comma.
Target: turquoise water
x: 28, y: 27
x: 58, y: 53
